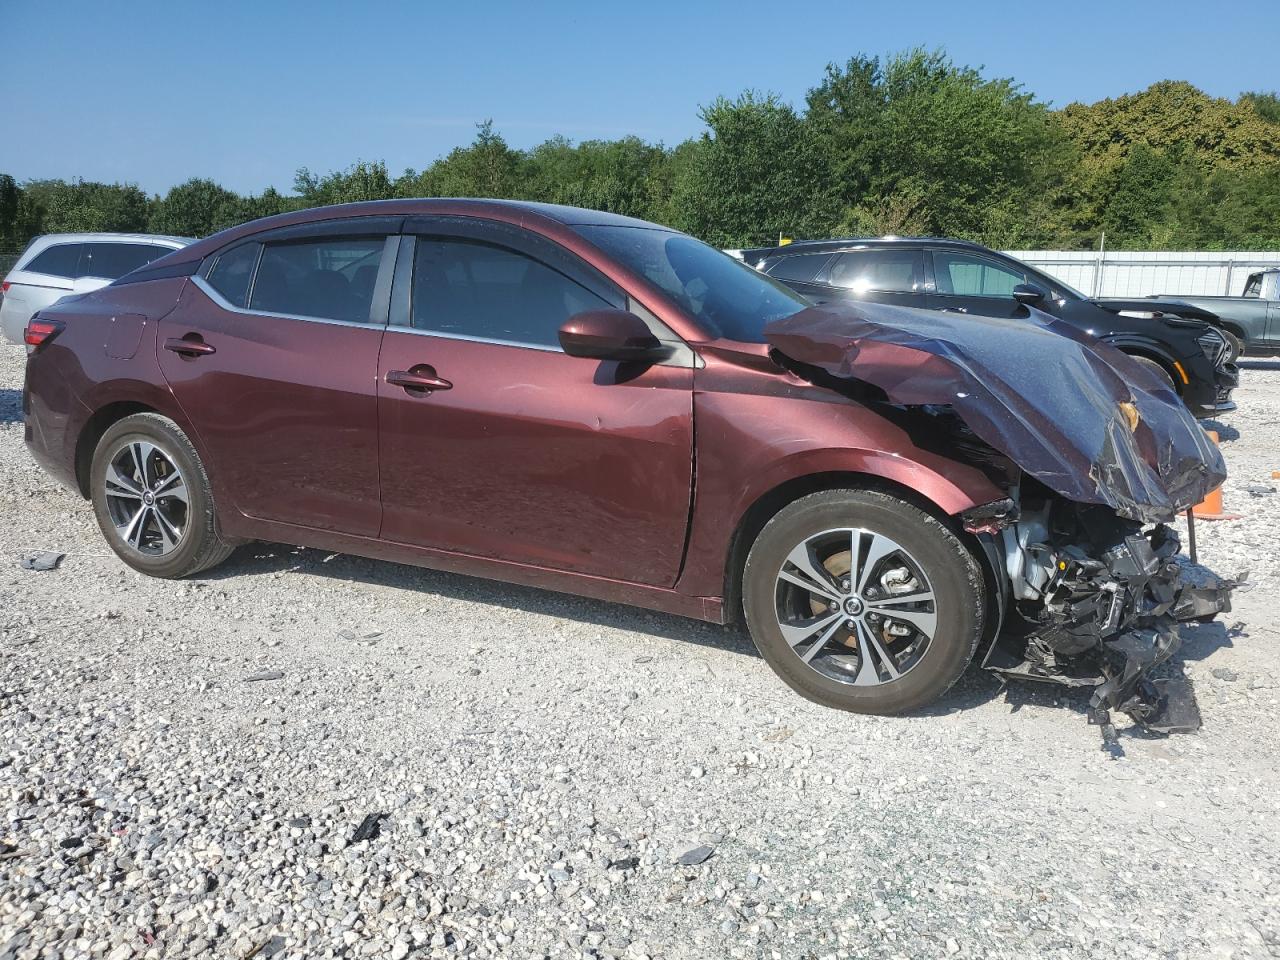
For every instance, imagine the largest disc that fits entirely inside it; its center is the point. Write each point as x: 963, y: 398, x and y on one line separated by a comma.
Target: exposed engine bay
x: 1097, y: 457
x: 1095, y: 601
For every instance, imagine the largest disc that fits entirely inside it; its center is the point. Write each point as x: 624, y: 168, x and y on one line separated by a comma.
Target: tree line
x: 908, y: 144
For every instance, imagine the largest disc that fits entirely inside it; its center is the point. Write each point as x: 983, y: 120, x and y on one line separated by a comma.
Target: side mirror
x: 1028, y: 294
x: 611, y: 335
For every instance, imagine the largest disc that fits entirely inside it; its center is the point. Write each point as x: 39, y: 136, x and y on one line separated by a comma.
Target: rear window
x: 111, y: 261
x: 60, y: 260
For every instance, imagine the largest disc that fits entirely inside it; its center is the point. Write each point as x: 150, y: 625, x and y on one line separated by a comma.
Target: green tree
x: 751, y: 177
x: 1265, y: 105
x: 485, y: 168
x: 85, y: 205
x: 622, y: 176
x: 363, y: 180
x: 196, y: 208
x: 917, y: 144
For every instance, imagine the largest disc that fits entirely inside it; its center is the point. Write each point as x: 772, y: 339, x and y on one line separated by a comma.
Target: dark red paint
x: 526, y: 465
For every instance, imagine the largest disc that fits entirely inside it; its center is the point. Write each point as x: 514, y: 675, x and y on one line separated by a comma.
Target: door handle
x: 189, y: 348
x: 417, y: 381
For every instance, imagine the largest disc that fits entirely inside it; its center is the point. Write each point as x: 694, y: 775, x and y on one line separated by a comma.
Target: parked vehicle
x: 961, y: 277
x: 511, y: 390
x: 1254, y: 318
x: 57, y: 264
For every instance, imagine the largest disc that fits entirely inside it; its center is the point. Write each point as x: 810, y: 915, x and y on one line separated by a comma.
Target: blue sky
x: 245, y: 93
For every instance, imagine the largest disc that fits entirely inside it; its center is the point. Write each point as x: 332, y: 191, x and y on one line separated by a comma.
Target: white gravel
x: 567, y: 778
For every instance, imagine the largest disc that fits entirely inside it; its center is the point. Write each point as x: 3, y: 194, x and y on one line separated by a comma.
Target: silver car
x: 59, y: 264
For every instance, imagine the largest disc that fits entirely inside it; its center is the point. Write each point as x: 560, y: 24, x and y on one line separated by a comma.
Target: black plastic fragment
x: 41, y: 560
x: 369, y: 829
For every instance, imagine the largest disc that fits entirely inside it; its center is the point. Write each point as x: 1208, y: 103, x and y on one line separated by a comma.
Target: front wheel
x: 152, y: 498
x: 863, y: 602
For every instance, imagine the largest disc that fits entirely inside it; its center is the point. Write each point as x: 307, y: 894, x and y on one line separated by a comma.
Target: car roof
x: 842, y: 243
x: 513, y: 211
x: 48, y: 239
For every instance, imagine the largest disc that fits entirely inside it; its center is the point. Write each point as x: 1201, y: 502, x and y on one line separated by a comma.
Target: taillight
x: 4, y: 286
x: 41, y: 331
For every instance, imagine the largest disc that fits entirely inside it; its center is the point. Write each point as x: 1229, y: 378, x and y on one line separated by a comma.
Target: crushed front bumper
x: 1102, y: 611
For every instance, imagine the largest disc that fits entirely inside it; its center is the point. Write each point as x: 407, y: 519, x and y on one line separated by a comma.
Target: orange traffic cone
x: 1210, y: 508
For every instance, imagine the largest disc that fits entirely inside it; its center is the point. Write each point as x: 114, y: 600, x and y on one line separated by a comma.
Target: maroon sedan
x: 595, y: 404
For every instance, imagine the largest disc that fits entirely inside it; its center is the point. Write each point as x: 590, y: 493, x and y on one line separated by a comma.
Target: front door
x: 273, y: 355
x: 495, y: 443
x: 969, y: 283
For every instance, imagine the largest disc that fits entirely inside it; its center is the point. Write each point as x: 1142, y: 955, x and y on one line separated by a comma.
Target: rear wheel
x: 863, y: 602
x: 152, y: 498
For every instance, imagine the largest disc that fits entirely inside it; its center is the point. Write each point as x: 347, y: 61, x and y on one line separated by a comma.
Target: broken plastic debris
x: 264, y: 675
x: 369, y: 828
x: 41, y: 560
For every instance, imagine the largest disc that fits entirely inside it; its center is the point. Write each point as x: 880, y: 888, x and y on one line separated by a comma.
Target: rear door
x: 893, y: 275
x: 273, y: 353
x: 514, y: 450
x: 970, y: 283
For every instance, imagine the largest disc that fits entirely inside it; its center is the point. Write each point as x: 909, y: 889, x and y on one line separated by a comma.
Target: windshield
x: 725, y: 296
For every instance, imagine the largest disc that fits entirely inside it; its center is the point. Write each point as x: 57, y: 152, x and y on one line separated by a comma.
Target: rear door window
x: 60, y: 260
x: 478, y: 291
x: 232, y: 272
x: 863, y: 271
x: 801, y: 268
x: 329, y: 279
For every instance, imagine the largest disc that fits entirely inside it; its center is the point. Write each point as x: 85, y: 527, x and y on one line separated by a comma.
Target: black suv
x: 962, y: 277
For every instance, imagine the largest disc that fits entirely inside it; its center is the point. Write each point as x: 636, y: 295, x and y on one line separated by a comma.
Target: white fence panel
x: 1119, y: 273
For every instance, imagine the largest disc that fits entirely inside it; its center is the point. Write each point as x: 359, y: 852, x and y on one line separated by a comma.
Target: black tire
x: 1164, y: 375
x: 1235, y: 346
x: 199, y: 547
x: 950, y: 568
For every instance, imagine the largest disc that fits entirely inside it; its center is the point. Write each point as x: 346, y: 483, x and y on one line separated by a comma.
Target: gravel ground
x: 305, y: 755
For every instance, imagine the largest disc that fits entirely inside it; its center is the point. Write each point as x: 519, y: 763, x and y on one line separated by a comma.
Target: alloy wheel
x: 855, y: 606
x: 146, y: 498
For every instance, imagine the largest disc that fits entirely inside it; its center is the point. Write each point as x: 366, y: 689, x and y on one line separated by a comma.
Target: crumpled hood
x: 1078, y: 415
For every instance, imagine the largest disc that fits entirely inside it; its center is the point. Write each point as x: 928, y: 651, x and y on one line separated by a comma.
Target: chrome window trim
x: 218, y: 299
x: 542, y: 348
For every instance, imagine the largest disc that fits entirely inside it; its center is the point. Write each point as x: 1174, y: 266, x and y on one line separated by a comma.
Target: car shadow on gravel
x: 10, y: 406
x: 1225, y: 432
x: 261, y: 559
x: 974, y: 689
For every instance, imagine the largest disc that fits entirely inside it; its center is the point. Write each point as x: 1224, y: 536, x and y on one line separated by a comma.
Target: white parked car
x: 59, y: 264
